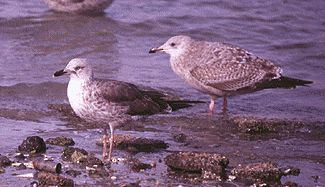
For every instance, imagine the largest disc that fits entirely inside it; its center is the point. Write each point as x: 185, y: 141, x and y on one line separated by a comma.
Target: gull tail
x: 282, y: 82
x: 167, y: 101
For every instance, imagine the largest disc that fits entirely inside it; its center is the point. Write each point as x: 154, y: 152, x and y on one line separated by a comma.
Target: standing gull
x: 79, y: 6
x: 109, y: 102
x: 222, y: 70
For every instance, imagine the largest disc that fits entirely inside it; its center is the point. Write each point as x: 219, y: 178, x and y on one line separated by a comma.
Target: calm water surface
x: 36, y: 42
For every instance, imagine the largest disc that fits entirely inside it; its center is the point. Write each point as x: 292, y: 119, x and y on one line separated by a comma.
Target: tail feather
x: 166, y: 100
x: 282, y: 82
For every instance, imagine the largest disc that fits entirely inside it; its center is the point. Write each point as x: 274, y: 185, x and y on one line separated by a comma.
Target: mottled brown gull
x: 79, y: 6
x: 109, y: 102
x: 222, y: 70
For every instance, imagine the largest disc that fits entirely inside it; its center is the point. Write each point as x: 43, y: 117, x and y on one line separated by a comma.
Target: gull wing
x: 230, y: 68
x: 128, y: 95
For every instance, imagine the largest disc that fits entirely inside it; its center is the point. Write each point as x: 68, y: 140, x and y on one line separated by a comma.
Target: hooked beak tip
x: 155, y: 49
x: 59, y: 73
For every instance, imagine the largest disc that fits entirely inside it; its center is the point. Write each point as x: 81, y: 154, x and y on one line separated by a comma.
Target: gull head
x: 174, y: 46
x: 76, y: 68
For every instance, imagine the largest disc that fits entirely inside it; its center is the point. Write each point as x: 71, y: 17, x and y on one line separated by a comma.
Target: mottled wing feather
x: 224, y: 77
x: 117, y: 91
x: 128, y: 95
x: 230, y: 68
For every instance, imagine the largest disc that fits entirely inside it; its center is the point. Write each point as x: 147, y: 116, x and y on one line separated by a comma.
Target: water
x: 36, y: 42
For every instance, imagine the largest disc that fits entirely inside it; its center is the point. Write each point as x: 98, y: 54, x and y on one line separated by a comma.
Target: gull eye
x: 172, y: 44
x: 78, y: 68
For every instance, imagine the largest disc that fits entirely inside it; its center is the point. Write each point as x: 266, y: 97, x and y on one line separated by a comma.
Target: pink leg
x: 111, y: 141
x: 211, y: 106
x: 105, y: 144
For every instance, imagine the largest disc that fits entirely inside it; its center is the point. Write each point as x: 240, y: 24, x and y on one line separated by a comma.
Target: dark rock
x: 33, y: 144
x: 211, y: 166
x: 90, y: 160
x: 131, y: 185
x: 34, y: 184
x: 68, y: 151
x: 136, y: 165
x: 290, y: 171
x: 253, y: 125
x: 21, y: 167
x: 73, y: 173
x: 61, y: 141
x: 4, y: 161
x: 80, y: 156
x: 143, y: 144
x: 96, y: 172
x: 63, y: 108
x: 20, y: 157
x: 290, y: 184
x: 127, y: 142
x: 180, y: 137
x: 316, y: 177
x: 47, y: 179
x: 117, y: 140
x: 266, y: 171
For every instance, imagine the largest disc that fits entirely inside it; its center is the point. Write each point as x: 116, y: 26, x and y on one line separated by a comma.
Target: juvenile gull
x: 79, y: 6
x: 109, y: 102
x: 221, y: 70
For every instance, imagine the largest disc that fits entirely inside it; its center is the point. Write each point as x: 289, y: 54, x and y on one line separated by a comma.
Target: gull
x: 79, y: 6
x: 109, y: 102
x: 221, y: 70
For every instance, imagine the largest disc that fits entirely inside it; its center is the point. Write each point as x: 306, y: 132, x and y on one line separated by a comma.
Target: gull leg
x: 211, y: 106
x: 111, y: 141
x: 105, y: 144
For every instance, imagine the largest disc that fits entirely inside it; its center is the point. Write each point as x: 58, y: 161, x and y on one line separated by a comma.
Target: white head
x: 76, y: 68
x: 174, y: 46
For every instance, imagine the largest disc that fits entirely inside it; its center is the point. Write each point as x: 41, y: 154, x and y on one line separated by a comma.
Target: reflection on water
x: 36, y: 42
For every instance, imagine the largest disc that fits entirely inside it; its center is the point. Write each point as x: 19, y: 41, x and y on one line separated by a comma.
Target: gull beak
x: 155, y: 49
x: 59, y: 73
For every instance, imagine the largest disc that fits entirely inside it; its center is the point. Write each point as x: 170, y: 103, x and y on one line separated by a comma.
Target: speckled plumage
x: 105, y: 102
x: 79, y: 6
x: 220, y: 69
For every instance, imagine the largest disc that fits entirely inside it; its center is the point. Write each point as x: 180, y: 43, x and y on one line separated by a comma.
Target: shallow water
x: 36, y: 42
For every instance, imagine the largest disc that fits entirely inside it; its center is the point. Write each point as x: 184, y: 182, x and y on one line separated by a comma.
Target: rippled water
x: 36, y: 42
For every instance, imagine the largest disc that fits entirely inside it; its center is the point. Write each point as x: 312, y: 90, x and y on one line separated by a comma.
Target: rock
x: 63, y: 108
x: 20, y: 157
x: 80, y: 156
x: 290, y: 171
x: 33, y: 144
x: 127, y: 142
x: 253, y: 125
x: 131, y: 185
x: 90, y: 160
x: 265, y: 171
x: 73, y: 173
x: 96, y: 172
x: 61, y: 141
x: 211, y: 166
x: 290, y: 184
x: 180, y: 137
x: 34, y: 184
x: 47, y: 179
x: 69, y: 151
x: 4, y: 161
x: 136, y: 165
x: 143, y: 144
